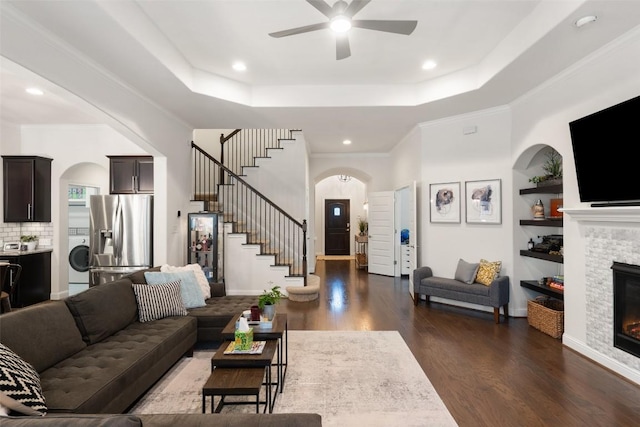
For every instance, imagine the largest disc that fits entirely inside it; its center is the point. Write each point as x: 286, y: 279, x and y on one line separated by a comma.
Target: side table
x: 241, y: 361
x: 278, y: 331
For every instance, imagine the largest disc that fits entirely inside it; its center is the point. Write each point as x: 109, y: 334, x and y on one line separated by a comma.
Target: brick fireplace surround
x: 610, y: 234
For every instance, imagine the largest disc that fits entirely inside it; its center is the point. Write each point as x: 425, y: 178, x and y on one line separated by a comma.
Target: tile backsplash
x: 11, y: 231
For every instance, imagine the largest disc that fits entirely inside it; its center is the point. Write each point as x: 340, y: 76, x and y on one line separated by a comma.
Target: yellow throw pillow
x: 488, y: 271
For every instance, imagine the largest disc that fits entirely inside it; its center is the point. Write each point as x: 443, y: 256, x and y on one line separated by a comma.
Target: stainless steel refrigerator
x: 121, y: 240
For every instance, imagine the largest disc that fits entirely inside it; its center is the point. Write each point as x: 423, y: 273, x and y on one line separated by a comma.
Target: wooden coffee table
x: 225, y: 382
x: 233, y: 383
x: 278, y: 331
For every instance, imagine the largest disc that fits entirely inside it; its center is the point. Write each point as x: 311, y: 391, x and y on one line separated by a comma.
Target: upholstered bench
x: 495, y: 294
x: 305, y: 293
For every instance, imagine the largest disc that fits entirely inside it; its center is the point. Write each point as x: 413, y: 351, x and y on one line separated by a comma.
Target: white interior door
x: 413, y: 233
x: 381, y: 233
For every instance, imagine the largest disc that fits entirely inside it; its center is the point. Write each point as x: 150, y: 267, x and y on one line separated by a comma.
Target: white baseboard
x: 606, y: 361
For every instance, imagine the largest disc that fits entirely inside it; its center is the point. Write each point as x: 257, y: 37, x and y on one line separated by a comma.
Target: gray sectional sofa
x: 93, y: 356
x: 495, y: 295
x: 167, y: 420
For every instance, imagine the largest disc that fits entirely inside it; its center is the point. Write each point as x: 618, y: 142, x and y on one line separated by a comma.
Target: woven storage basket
x: 361, y: 258
x: 546, y: 315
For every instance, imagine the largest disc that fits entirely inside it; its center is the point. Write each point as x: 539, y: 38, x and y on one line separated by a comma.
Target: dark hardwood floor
x: 487, y: 375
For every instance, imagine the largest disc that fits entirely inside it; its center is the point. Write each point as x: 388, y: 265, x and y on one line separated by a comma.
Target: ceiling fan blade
x: 355, y: 6
x: 343, y: 50
x: 322, y: 6
x: 398, y: 27
x: 300, y: 30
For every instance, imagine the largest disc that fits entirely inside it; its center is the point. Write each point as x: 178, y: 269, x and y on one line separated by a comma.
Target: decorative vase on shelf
x: 530, y: 244
x: 538, y: 210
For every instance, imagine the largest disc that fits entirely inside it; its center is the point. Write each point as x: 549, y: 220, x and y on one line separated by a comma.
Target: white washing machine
x: 78, y: 259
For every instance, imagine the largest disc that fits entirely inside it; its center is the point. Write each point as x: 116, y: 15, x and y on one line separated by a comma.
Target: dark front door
x: 336, y: 227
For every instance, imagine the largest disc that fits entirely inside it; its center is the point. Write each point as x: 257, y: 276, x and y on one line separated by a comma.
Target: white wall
x: 282, y: 177
x: 450, y: 156
x: 9, y: 144
x: 407, y: 168
x: 209, y: 140
x: 9, y: 138
x: 373, y: 169
x: 605, y: 78
x: 406, y: 158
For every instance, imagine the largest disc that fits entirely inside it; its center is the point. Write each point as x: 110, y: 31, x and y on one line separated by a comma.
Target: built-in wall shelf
x: 548, y: 189
x: 543, y: 289
x: 541, y: 255
x: 548, y: 222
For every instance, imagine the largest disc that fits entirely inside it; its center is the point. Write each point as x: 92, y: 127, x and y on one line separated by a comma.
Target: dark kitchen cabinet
x: 27, y: 188
x: 34, y: 285
x: 131, y: 174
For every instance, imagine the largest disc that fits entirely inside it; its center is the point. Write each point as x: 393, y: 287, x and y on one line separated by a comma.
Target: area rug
x: 351, y: 378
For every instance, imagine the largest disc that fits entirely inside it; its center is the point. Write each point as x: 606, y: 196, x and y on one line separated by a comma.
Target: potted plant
x: 30, y: 240
x: 552, y: 168
x: 362, y: 226
x: 268, y: 300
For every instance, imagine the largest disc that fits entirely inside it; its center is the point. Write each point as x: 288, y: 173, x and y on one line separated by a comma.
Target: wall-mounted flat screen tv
x: 605, y: 146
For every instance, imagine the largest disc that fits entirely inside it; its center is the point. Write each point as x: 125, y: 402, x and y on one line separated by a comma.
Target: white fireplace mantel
x: 626, y: 214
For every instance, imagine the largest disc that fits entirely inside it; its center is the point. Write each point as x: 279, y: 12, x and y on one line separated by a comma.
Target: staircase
x: 264, y: 244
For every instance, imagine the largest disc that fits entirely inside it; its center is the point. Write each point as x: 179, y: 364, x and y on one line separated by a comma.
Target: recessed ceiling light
x: 346, y: 142
x: 340, y: 24
x: 429, y: 65
x: 586, y: 20
x: 34, y: 91
x: 239, y: 66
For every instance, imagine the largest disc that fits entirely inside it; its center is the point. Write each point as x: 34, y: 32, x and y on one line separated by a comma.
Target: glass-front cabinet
x: 206, y: 238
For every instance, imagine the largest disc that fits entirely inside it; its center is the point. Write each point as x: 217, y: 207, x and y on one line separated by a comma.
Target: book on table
x: 256, y: 348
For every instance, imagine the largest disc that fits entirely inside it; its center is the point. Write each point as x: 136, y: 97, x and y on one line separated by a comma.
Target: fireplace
x: 626, y: 307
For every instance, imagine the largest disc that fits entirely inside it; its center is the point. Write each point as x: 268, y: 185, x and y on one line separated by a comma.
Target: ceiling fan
x: 340, y: 20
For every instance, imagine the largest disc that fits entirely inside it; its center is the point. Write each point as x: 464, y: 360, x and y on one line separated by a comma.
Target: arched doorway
x: 342, y: 185
x: 77, y: 184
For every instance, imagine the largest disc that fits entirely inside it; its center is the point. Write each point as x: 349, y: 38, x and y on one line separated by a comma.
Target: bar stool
x: 10, y: 287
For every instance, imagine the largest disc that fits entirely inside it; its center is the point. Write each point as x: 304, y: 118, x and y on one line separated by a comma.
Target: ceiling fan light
x: 340, y: 24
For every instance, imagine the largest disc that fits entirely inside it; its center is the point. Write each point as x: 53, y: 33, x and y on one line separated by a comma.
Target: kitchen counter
x: 22, y: 253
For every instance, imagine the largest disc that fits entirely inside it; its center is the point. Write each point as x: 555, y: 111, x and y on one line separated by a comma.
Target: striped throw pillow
x: 159, y: 301
x: 20, y: 387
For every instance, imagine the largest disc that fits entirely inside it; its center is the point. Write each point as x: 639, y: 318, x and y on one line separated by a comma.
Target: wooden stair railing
x: 265, y: 224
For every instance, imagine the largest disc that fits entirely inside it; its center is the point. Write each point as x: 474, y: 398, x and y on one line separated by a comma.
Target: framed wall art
x: 445, y: 202
x: 483, y: 201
